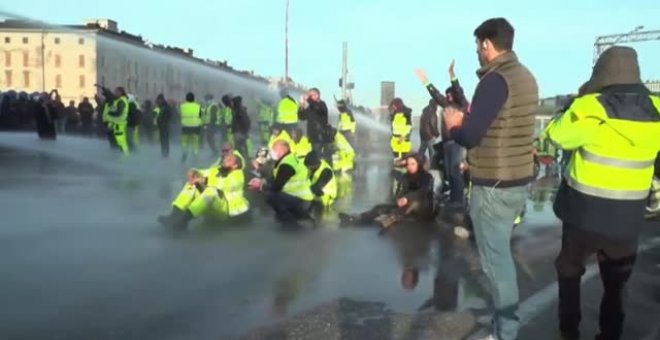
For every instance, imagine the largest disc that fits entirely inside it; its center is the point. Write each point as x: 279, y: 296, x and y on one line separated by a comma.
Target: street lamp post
x: 286, y: 44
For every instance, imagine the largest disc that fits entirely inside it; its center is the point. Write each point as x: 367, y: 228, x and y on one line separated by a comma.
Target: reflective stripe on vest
x: 191, y: 114
x: 298, y: 185
x: 287, y: 111
x: 618, y: 163
x: 400, y: 127
x: 346, y: 123
x: 330, y: 189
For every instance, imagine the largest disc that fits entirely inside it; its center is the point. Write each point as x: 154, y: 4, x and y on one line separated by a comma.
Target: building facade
x: 72, y: 59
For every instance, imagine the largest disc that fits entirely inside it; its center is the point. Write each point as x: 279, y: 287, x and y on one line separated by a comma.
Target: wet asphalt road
x: 82, y: 257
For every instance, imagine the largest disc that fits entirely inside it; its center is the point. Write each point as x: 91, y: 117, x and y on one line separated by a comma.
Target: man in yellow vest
x: 401, y: 122
x: 210, y: 119
x: 343, y: 158
x: 117, y: 118
x: 347, y: 124
x: 191, y: 126
x: 612, y: 132
x: 324, y: 184
x: 288, y: 191
x: 303, y: 145
x: 226, y: 119
x: 287, y: 112
x: 265, y: 118
x: 216, y: 193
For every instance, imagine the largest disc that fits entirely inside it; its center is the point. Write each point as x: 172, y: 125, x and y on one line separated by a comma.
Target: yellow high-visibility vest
x: 299, y: 184
x: 191, y: 114
x: 618, y: 161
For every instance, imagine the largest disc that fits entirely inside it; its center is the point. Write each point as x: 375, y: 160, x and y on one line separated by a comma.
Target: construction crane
x: 637, y: 35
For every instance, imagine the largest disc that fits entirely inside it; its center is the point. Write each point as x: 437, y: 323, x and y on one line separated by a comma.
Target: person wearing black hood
x: 315, y: 112
x: 612, y: 131
x: 163, y: 115
x: 240, y: 126
x: 414, y: 198
x: 43, y: 111
x: 401, y: 121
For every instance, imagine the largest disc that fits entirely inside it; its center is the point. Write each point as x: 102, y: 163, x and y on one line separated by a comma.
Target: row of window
x: 26, y: 79
x: 57, y: 41
x: 26, y: 60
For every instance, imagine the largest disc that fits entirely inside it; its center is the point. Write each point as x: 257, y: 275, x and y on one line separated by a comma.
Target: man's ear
x: 485, y: 44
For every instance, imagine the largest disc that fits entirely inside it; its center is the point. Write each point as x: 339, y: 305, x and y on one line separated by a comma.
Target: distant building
x: 73, y: 58
x: 653, y: 85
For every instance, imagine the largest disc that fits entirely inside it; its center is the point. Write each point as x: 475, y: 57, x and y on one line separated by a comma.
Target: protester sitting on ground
x: 414, y: 199
x: 288, y: 190
x: 216, y: 192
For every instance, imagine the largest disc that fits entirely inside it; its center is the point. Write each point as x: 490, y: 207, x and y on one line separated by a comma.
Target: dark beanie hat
x: 312, y: 160
x: 618, y: 65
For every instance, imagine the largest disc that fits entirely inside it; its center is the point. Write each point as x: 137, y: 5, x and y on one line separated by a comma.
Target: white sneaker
x: 461, y: 232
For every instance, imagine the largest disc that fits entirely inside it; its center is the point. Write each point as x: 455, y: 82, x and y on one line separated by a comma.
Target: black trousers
x: 413, y: 209
x: 616, y: 259
x: 164, y: 134
x: 110, y: 135
x: 288, y: 209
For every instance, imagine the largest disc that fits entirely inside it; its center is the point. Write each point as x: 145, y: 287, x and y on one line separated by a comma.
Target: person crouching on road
x: 414, y: 198
x: 324, y: 184
x: 216, y: 192
x: 288, y: 191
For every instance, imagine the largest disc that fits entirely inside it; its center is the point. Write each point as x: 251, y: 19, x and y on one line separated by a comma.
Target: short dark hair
x: 190, y: 97
x: 314, y: 89
x: 499, y: 31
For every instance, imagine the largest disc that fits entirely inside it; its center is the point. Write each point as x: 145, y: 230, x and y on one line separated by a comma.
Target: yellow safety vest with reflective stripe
x: 226, y: 116
x: 346, y: 123
x: 618, y: 161
x: 400, y: 126
x: 303, y: 147
x: 105, y: 114
x: 206, y: 115
x: 285, y: 137
x: 287, y: 111
x: 299, y: 184
x: 191, y: 114
x: 265, y: 114
x: 344, y: 156
x: 122, y: 119
x: 231, y: 188
x: 330, y: 189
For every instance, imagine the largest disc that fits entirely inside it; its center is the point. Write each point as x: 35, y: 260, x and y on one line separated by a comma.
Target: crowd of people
x: 483, y: 153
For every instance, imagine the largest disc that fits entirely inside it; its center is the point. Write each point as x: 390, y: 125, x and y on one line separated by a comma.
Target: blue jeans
x: 493, y: 211
x: 426, y: 145
x: 453, y: 156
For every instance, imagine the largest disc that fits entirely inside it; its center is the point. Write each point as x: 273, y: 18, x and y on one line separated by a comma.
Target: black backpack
x: 134, y: 115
